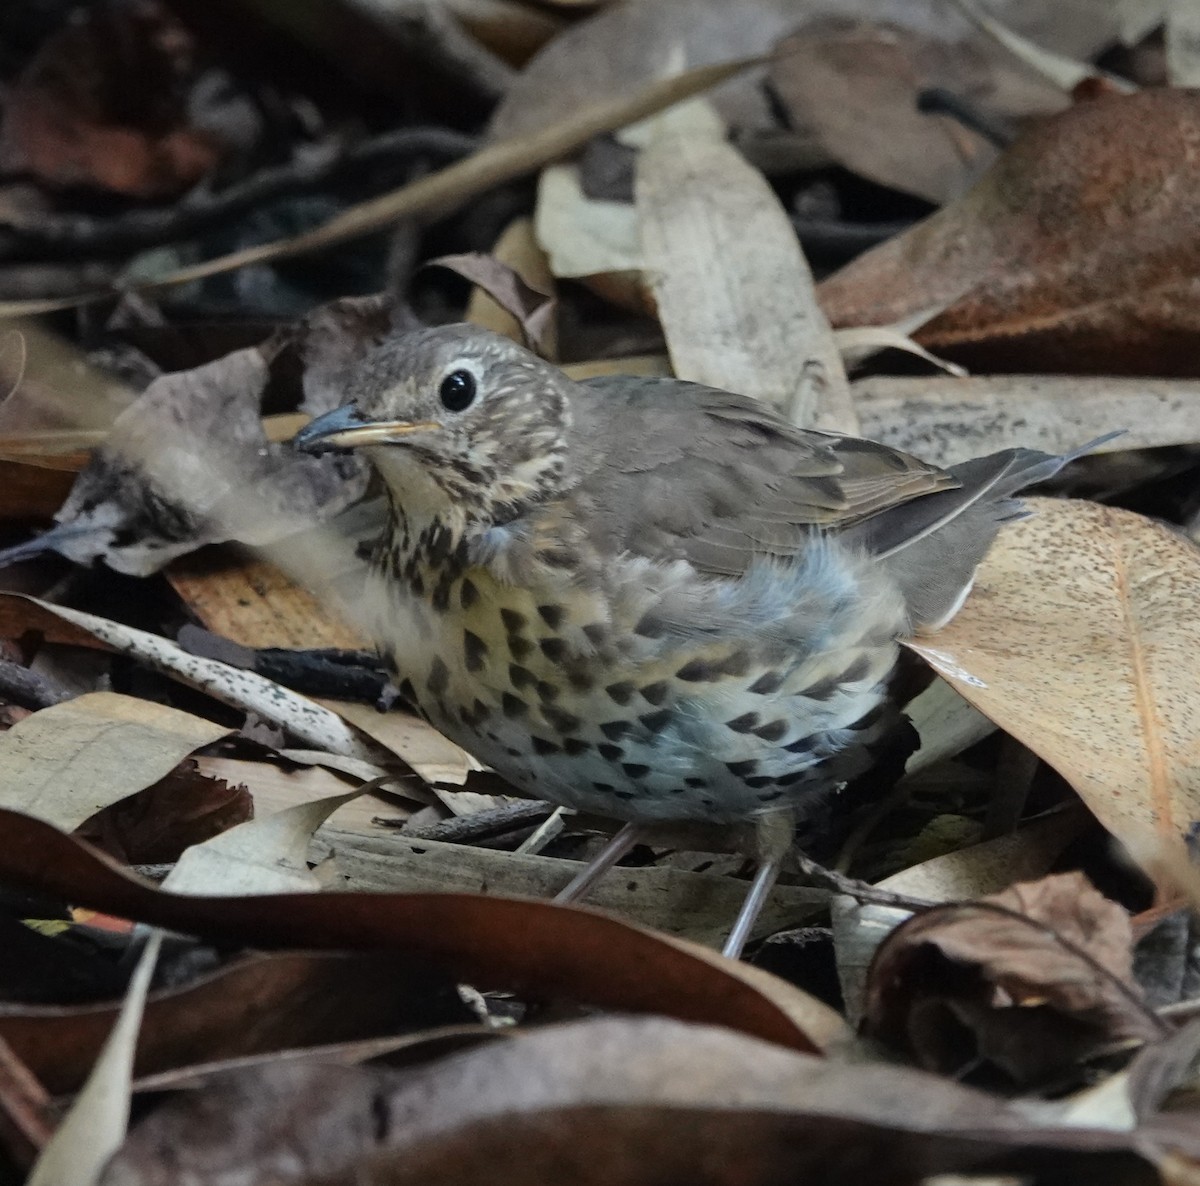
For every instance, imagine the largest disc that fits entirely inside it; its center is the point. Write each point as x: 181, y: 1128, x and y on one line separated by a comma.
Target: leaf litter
x: 330, y: 982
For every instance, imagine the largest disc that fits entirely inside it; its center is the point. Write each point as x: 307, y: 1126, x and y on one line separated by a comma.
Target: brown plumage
x: 644, y: 597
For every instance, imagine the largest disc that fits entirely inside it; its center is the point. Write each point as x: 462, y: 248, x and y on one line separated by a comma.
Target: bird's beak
x: 347, y: 428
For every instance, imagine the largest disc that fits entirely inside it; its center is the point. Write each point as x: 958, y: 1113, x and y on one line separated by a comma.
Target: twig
x: 53, y: 234
x: 463, y: 829
x: 862, y: 891
x: 20, y: 685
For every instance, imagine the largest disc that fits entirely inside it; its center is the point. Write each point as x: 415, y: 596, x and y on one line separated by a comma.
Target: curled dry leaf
x: 533, y: 947
x: 1030, y: 981
x: 856, y: 86
x: 604, y: 1102
x: 1074, y: 253
x: 532, y: 308
x: 65, y: 763
x: 188, y: 464
x: 252, y: 1005
x: 1079, y: 640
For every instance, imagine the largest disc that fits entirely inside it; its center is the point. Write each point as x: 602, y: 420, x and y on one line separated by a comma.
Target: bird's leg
x: 600, y: 864
x: 773, y: 837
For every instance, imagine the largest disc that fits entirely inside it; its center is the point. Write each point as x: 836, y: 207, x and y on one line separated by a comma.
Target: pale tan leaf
x: 859, y: 343
x: 94, y: 1128
x: 261, y: 856
x: 734, y: 291
x: 65, y: 763
x: 1080, y: 640
x: 951, y: 420
x: 1183, y: 43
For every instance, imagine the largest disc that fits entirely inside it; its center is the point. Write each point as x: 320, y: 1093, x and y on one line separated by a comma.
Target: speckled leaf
x: 1080, y: 639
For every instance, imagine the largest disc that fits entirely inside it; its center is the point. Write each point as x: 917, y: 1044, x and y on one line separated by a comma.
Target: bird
x: 650, y: 599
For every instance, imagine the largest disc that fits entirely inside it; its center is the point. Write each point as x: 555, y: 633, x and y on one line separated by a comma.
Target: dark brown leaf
x: 533, y: 309
x: 257, y: 1004
x: 1030, y: 980
x: 535, y: 947
x: 1076, y: 252
x: 607, y: 1102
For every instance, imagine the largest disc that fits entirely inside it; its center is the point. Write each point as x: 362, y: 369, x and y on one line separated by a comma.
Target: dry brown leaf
x: 605, y: 1102
x: 33, y: 490
x: 535, y: 947
x: 253, y: 603
x: 155, y: 825
x: 856, y: 86
x: 63, y: 764
x: 733, y: 289
x: 1074, y: 253
x: 1079, y: 641
x: 951, y: 420
x: 1031, y: 988
x: 532, y: 308
x: 250, y: 1005
x: 518, y: 249
x: 104, y: 103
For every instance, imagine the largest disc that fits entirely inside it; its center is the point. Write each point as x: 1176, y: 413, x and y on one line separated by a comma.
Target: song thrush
x: 645, y: 598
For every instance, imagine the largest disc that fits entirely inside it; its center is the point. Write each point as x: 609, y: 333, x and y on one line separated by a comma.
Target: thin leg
x: 756, y: 899
x: 774, y: 838
x: 600, y: 864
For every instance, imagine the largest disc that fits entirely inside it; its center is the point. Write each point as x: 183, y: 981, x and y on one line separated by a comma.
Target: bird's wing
x: 680, y: 471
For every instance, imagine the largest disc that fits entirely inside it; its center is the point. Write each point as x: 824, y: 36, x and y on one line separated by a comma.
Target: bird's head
x: 462, y: 424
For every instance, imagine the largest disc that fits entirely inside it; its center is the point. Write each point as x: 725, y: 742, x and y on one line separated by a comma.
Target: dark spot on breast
x: 737, y: 664
x: 769, y: 796
x: 520, y: 648
x: 543, y: 747
x: 438, y: 546
x: 546, y: 691
x: 857, y: 670
x: 650, y: 625
x: 441, y: 594
x: 615, y: 730
x: 698, y: 671
x: 552, y: 615
x: 596, y: 633
x: 407, y: 691
x: 697, y: 783
x: 513, y: 706
x: 514, y: 622
x: 805, y: 745
x: 635, y: 769
x: 468, y: 595
x: 621, y: 693
x: 742, y: 769
x: 521, y: 677
x: 554, y: 649
x: 656, y: 693
x: 580, y: 680
x: 610, y: 753
x: 416, y: 583
x: 604, y: 787
x: 439, y: 677
x: 772, y: 732
x: 475, y: 651
x: 823, y: 688
x: 772, y: 681
x: 558, y: 557
x: 561, y: 721
x: 627, y: 795
x: 744, y: 723
x: 657, y: 721
x: 575, y: 746
x: 758, y: 782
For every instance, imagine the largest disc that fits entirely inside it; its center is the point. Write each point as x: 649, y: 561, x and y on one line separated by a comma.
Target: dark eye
x: 457, y: 390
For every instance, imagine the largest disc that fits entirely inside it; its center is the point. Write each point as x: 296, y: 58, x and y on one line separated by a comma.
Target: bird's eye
x: 457, y: 391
